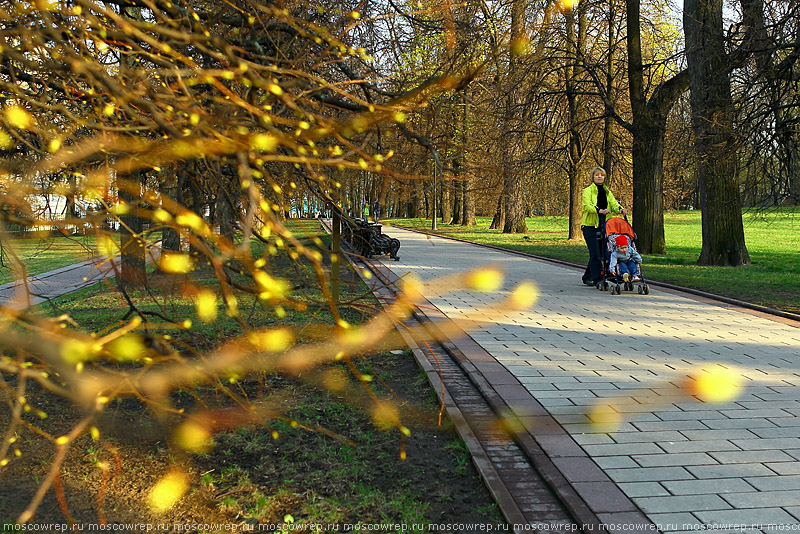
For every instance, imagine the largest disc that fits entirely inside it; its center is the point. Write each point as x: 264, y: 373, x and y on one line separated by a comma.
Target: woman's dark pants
x: 594, y: 270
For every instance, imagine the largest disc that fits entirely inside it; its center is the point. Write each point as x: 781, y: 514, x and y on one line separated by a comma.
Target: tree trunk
x: 458, y: 191
x: 611, y: 96
x: 467, y: 195
x: 419, y: 200
x: 131, y: 242
x: 170, y: 239
x: 446, y: 206
x: 575, y: 150
x: 129, y: 187
x: 648, y: 131
x: 458, y: 166
x: 512, y: 176
x: 224, y: 208
x: 468, y: 211
x: 648, y: 185
x: 712, y: 122
x: 499, y: 219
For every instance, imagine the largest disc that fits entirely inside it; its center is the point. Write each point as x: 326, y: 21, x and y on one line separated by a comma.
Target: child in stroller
x: 624, y: 262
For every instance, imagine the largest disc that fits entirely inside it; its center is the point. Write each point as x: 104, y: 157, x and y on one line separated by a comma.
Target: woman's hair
x: 601, y: 169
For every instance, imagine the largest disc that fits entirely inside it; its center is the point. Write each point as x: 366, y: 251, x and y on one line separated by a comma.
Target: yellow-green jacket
x: 590, y: 216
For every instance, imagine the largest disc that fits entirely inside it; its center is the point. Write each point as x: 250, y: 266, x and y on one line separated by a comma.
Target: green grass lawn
x: 772, y: 237
x: 43, y: 254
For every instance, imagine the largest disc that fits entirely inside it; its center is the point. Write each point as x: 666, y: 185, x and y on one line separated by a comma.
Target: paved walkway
x: 55, y: 283
x: 589, y: 357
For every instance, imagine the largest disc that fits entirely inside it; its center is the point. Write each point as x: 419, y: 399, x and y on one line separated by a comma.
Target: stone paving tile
x: 767, y: 443
x: 680, y: 503
x: 698, y: 446
x: 658, y: 425
x: 592, y: 439
x: 644, y: 489
x: 729, y: 470
x: 572, y: 418
x: 622, y: 449
x: 707, y: 435
x: 677, y: 459
x: 716, y: 486
x: 785, y: 468
x: 754, y: 517
x: 794, y: 510
x: 674, y: 522
x: 755, y: 425
x: 690, y: 416
x: 634, y: 437
x: 744, y: 457
x: 785, y: 421
x: 615, y: 462
x: 777, y: 432
x: 649, y: 474
x: 775, y: 483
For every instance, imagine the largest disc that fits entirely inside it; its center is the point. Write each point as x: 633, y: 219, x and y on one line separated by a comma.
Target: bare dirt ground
x: 249, y: 478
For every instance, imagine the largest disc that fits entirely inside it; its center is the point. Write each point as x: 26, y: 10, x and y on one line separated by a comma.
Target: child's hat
x: 622, y: 241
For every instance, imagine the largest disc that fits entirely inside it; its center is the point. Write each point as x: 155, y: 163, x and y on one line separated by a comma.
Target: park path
x: 44, y: 286
x: 589, y: 357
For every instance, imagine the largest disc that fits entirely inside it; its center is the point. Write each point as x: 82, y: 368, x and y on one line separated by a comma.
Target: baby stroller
x: 616, y: 227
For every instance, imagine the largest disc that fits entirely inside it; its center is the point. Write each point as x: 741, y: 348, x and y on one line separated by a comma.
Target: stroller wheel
x: 640, y: 290
x: 646, y: 290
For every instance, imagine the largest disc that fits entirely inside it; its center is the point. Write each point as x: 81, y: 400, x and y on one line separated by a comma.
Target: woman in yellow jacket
x: 597, y: 203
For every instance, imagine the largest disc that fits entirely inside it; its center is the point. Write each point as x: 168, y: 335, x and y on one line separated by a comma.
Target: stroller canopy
x: 619, y: 226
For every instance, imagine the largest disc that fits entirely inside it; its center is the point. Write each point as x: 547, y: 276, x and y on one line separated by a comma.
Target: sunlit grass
x: 43, y: 254
x: 772, y: 237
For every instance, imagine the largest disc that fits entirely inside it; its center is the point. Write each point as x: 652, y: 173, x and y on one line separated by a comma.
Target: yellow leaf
x: 412, y: 288
x: 275, y: 340
x: 566, y: 6
x: 6, y: 141
x: 193, y: 437
x: 175, y: 263
x: 485, y: 280
x: 276, y: 288
x: 524, y: 296
x: 605, y: 418
x: 716, y: 384
x: 106, y: 246
x: 19, y: 118
x: 76, y: 351
x: 385, y: 415
x: 521, y: 46
x: 168, y: 491
x: 206, y: 303
x: 192, y: 220
x: 161, y: 216
x: 127, y: 348
x: 335, y: 379
x: 263, y: 142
